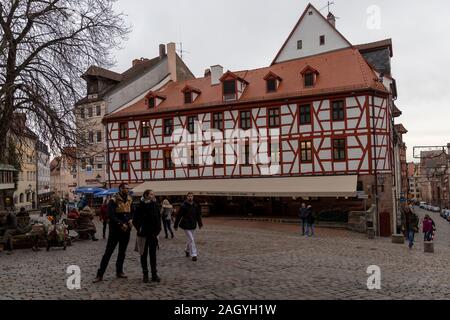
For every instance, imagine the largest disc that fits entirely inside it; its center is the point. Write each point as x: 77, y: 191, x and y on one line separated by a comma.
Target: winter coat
x: 427, y: 225
x: 147, y: 219
x: 189, y: 216
x: 303, y: 213
x: 411, y: 221
x: 104, y: 212
x: 310, y: 219
x: 120, y: 211
x: 167, y: 213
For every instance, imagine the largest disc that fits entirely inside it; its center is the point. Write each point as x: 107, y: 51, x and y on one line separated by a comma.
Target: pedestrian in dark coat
x: 410, y: 224
x: 427, y: 229
x: 120, y: 215
x: 310, y: 219
x: 188, y: 218
x: 147, y: 221
x: 303, y: 214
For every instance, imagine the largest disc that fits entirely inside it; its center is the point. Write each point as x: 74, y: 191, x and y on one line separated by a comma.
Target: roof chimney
x: 162, y: 51
x: 172, y: 60
x: 207, y: 73
x: 216, y: 74
x: 331, y: 19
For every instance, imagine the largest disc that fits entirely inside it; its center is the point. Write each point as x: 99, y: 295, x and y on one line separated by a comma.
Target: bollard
x: 371, y: 233
x: 398, y: 238
x: 428, y: 247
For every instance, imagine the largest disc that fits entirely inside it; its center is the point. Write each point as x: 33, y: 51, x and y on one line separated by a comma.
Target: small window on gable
x: 299, y: 45
x: 322, y: 40
x: 310, y: 13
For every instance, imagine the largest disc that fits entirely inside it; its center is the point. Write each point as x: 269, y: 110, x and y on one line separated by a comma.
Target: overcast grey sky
x: 247, y: 34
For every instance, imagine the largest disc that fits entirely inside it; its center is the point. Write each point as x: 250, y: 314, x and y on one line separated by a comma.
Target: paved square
x: 241, y: 260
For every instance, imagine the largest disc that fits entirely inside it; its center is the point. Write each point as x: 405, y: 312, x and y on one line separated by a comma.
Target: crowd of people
x: 147, y: 218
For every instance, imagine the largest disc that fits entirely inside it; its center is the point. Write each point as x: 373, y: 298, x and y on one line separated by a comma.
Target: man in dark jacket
x: 303, y: 214
x: 187, y: 218
x: 410, y: 224
x: 120, y: 225
x: 147, y: 221
x: 310, y: 219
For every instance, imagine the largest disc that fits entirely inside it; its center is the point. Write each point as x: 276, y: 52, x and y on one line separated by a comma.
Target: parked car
x: 422, y: 204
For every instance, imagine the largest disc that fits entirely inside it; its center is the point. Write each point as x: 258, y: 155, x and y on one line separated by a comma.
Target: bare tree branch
x: 45, y: 45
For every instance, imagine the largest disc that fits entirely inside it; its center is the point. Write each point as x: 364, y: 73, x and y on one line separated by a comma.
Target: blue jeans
x: 303, y: 225
x: 309, y: 226
x: 411, y: 234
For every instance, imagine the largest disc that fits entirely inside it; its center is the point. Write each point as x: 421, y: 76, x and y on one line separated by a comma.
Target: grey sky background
x: 247, y: 34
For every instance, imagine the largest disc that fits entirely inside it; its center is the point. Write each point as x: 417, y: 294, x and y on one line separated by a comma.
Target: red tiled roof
x: 340, y: 71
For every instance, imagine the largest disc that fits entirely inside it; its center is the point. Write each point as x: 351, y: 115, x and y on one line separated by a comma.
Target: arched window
x: 28, y: 197
x: 21, y: 198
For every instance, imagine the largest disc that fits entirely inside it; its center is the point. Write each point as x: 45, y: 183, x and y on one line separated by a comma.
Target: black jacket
x: 303, y: 213
x: 310, y: 218
x: 189, y: 216
x: 147, y: 219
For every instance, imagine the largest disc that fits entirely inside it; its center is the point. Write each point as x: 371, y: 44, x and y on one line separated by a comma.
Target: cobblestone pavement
x: 240, y: 260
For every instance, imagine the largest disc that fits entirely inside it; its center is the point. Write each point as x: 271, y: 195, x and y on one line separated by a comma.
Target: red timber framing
x: 365, y: 147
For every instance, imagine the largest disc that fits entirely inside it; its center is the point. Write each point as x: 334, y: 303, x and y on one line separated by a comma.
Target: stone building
x: 107, y: 92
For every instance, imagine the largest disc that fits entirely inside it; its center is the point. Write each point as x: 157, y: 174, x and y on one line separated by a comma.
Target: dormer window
x: 152, y: 100
x: 190, y: 94
x: 272, y: 82
x: 309, y: 79
x: 271, y: 85
x: 309, y: 76
x: 229, y: 90
x: 232, y: 86
x: 188, y: 97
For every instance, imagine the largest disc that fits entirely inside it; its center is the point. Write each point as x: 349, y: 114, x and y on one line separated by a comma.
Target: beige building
x: 25, y: 140
x: 108, y: 92
x: 63, y: 178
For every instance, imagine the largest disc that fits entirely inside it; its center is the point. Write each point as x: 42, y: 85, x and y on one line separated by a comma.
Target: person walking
x: 120, y: 224
x: 147, y: 221
x: 427, y: 228
x: 104, y: 216
x: 310, y: 219
x: 303, y: 214
x: 187, y: 219
x: 411, y: 225
x: 166, y: 212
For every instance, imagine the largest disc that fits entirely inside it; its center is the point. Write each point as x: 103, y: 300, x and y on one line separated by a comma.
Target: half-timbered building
x: 323, y: 119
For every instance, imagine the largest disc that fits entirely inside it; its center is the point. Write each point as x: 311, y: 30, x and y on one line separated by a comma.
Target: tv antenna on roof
x: 181, y: 51
x: 329, y: 4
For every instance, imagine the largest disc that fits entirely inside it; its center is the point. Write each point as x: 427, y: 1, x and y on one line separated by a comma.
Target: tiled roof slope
x: 340, y: 71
